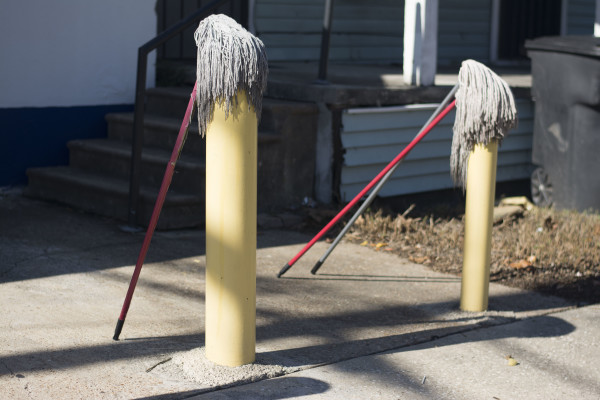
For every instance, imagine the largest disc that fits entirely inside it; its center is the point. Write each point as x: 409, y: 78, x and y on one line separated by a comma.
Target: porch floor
x: 370, y: 85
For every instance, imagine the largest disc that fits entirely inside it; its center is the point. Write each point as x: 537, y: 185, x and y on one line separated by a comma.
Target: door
x: 515, y: 21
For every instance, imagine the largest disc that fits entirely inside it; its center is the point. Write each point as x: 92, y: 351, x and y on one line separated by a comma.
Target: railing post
x: 325, y: 41
x: 138, y: 137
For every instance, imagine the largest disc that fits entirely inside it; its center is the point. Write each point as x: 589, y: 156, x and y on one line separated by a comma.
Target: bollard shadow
x: 540, y: 327
x: 329, y: 332
x: 344, y: 350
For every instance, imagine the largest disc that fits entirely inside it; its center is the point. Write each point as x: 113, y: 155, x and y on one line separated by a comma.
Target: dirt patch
x: 545, y: 250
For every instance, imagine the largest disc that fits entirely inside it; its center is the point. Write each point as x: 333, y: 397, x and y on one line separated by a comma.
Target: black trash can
x: 566, y: 136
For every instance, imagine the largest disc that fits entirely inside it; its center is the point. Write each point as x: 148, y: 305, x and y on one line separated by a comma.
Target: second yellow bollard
x: 479, y: 209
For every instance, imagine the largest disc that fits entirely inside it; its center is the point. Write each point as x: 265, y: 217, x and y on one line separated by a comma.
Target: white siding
x: 372, y: 140
x: 361, y: 31
x: 72, y: 52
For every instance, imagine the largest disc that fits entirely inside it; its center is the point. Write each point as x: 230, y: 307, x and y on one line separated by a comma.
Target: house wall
x: 373, y: 31
x: 361, y: 31
x: 580, y: 17
x: 369, y: 31
x: 65, y: 63
x: 464, y: 31
x: 373, y: 137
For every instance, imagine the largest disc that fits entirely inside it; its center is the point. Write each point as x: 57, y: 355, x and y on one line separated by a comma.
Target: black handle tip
x: 118, y: 329
x: 316, y: 267
x: 284, y: 270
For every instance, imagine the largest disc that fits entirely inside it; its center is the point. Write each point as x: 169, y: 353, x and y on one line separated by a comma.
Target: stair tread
x: 107, y: 183
x: 154, y: 121
x: 158, y: 121
x: 184, y: 93
x: 149, y: 154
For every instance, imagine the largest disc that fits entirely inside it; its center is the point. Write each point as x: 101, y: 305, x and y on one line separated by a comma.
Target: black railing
x: 325, y: 41
x: 140, y: 98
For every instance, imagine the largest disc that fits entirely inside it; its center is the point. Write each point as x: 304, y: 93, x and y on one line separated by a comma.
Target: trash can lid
x: 580, y: 45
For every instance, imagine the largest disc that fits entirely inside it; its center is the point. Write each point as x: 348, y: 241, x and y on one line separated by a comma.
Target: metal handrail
x: 325, y: 42
x: 140, y: 97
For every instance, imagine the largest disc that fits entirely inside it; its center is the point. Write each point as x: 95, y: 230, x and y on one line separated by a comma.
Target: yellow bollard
x: 231, y: 151
x: 479, y: 209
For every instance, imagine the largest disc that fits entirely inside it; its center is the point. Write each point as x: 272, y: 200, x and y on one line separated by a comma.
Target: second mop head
x: 485, y: 111
x: 230, y: 59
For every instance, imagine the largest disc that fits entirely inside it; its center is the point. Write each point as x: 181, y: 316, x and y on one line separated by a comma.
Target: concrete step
x: 161, y: 132
x: 113, y: 157
x: 172, y: 102
x: 97, y: 179
x: 108, y: 196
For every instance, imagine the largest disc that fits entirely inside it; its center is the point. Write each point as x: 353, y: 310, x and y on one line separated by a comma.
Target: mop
x: 444, y: 104
x: 162, y: 194
x: 369, y: 186
x: 485, y: 112
x: 230, y: 61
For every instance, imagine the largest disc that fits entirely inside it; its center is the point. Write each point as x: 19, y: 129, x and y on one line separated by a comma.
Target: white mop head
x: 230, y: 59
x: 485, y: 111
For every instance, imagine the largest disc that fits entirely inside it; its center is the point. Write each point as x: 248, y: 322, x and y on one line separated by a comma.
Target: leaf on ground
x: 520, y: 264
x: 511, y: 361
x: 420, y: 260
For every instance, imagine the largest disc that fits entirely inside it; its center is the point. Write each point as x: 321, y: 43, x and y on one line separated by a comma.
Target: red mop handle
x: 396, y: 160
x: 166, y: 182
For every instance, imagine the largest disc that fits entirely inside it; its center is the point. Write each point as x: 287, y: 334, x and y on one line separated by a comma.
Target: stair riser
x: 114, y: 205
x: 156, y: 136
x: 168, y: 105
x: 185, y: 179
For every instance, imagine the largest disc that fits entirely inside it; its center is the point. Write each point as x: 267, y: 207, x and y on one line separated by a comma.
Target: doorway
x: 514, y: 21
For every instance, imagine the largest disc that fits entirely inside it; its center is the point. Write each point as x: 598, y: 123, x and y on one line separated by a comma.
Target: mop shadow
x: 376, y: 278
x: 131, y: 348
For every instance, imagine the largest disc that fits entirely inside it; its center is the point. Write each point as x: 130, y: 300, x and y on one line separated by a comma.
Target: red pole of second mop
x: 166, y: 182
x: 355, y: 200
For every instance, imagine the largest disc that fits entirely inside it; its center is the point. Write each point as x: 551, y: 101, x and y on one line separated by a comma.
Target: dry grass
x: 556, y: 252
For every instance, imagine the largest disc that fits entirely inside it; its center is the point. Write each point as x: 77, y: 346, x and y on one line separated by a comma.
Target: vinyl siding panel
x: 580, y: 17
x: 361, y: 31
x: 371, y: 138
x: 463, y: 31
x: 369, y: 31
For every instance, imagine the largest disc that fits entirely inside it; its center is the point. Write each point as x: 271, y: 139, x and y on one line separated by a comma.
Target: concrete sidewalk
x: 371, y: 325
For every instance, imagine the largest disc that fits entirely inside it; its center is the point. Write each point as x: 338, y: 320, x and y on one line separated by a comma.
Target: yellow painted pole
x: 481, y: 187
x: 231, y: 151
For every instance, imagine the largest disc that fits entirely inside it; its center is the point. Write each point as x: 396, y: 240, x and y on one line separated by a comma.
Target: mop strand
x: 230, y: 59
x: 485, y: 111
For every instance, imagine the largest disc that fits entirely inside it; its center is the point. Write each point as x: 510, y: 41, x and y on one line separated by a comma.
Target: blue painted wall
x: 37, y: 137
